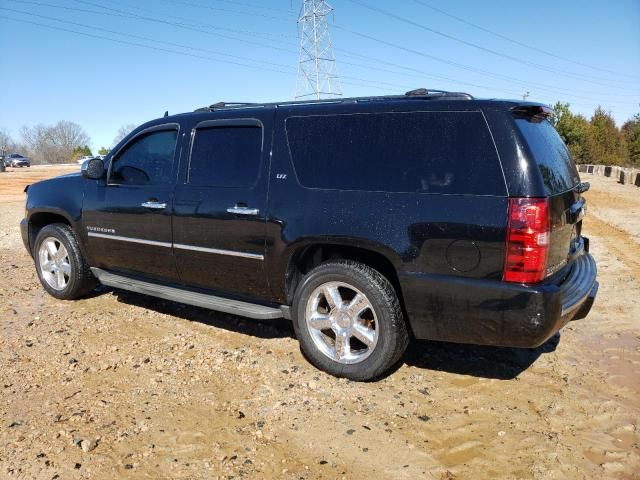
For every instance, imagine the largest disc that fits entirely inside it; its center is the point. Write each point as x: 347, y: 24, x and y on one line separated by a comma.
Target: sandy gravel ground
x: 124, y: 386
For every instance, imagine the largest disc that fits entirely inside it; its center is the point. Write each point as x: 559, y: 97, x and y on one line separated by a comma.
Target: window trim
x: 392, y: 112
x: 227, y: 122
x: 156, y: 128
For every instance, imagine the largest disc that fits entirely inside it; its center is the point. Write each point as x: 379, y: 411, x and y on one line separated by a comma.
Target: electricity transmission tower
x: 317, y: 66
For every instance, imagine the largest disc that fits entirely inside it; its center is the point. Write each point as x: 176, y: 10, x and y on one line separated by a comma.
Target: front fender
x: 60, y: 197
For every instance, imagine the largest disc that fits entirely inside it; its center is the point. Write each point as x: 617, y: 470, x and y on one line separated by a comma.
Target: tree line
x: 63, y: 142
x: 598, y: 140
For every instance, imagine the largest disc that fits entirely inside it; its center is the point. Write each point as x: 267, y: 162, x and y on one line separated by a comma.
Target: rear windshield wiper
x: 582, y: 187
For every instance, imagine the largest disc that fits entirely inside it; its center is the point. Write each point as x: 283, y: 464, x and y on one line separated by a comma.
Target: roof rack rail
x: 424, y: 92
x: 221, y: 105
x: 418, y: 93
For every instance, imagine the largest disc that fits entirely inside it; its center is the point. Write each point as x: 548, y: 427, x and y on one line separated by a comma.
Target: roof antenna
x: 166, y: 113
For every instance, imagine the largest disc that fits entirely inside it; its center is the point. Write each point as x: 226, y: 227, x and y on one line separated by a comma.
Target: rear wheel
x: 62, y: 269
x: 349, y: 321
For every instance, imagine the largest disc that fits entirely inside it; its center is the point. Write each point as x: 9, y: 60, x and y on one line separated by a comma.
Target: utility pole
x: 317, y: 76
x: 525, y: 95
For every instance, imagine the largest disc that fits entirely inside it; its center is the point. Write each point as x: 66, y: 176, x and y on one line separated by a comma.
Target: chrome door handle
x: 155, y: 205
x: 243, y: 210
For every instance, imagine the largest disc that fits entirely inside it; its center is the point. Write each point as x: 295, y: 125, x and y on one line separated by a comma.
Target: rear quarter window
x: 557, y: 169
x: 417, y: 152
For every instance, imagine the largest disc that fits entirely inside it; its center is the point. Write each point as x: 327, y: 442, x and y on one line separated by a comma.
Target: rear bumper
x: 489, y: 312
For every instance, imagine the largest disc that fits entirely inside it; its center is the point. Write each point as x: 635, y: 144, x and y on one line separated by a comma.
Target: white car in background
x: 86, y: 157
x: 16, y: 160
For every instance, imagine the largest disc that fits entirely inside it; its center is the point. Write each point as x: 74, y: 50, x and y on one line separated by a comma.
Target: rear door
x: 220, y: 207
x: 562, y: 184
x: 128, y: 217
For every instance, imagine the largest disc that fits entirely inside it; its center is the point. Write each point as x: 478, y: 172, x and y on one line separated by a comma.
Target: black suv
x: 366, y: 221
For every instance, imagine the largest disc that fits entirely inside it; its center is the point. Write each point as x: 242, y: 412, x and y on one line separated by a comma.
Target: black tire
x: 392, y: 334
x: 79, y: 280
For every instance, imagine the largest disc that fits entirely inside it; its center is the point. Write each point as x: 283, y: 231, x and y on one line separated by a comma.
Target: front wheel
x: 349, y: 321
x: 62, y: 269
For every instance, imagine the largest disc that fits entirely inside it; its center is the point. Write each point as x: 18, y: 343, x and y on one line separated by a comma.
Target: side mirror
x: 93, y: 169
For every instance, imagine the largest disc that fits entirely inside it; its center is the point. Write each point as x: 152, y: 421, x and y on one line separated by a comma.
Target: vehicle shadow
x: 274, y: 328
x: 500, y: 363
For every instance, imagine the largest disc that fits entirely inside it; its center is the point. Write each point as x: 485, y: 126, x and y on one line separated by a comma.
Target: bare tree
x: 69, y: 135
x: 123, y: 131
x: 54, y: 144
x: 7, y: 145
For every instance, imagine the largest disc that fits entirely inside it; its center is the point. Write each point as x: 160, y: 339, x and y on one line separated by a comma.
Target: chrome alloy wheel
x: 342, y: 322
x: 54, y: 263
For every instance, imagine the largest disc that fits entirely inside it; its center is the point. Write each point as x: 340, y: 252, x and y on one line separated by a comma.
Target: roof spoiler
x: 532, y: 110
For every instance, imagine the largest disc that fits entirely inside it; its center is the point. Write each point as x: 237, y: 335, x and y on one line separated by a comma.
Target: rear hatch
x: 562, y: 184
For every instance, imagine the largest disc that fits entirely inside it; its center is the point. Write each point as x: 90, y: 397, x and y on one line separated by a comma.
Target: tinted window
x: 558, y: 171
x: 422, y: 152
x: 225, y: 156
x: 146, y: 161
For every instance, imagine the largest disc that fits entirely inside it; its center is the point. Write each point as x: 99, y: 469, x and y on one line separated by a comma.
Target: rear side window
x: 421, y: 152
x: 226, y: 156
x: 148, y: 160
x: 558, y: 171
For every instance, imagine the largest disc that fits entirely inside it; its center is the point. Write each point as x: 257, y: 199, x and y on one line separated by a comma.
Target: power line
x: 416, y: 73
x: 126, y: 42
x: 140, y: 37
x: 124, y: 14
x: 541, y: 86
x: 376, y: 61
x: 246, y: 32
x: 460, y: 65
x: 231, y: 2
x: 135, y: 16
x: 575, y: 76
x: 360, y: 81
x: 262, y: 35
x: 211, y: 7
x: 165, y: 50
x: 517, y: 42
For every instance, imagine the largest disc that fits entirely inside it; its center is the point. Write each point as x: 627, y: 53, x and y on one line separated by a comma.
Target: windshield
x: 558, y: 171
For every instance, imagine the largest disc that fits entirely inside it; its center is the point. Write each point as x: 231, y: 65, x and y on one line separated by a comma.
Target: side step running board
x: 212, y: 302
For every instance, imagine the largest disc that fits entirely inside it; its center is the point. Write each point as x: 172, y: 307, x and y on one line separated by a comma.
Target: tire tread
x: 83, y: 280
x: 375, y: 282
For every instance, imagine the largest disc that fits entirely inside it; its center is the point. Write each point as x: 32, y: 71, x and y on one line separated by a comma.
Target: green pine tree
x: 605, y: 144
x: 573, y: 129
x: 631, y: 132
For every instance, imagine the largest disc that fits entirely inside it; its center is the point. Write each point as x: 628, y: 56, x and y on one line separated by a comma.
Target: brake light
x: 533, y: 110
x: 528, y: 232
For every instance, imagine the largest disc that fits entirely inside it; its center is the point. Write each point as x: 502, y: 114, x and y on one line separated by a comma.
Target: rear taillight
x: 527, y: 246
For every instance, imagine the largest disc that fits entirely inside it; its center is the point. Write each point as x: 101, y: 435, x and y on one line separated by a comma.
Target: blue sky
x: 584, y: 52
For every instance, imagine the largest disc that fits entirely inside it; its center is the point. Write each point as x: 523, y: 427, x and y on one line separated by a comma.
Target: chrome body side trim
x: 218, y: 251
x: 194, y: 248
x: 130, y: 239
